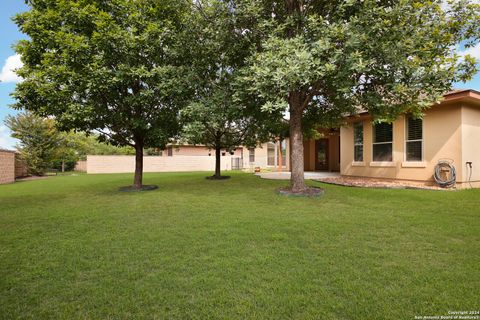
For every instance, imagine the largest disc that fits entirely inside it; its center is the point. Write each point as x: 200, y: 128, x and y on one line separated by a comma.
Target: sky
x: 9, y: 35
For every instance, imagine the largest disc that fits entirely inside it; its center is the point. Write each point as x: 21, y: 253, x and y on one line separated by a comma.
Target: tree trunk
x: 218, y: 158
x: 138, y: 179
x: 63, y: 166
x: 297, y: 180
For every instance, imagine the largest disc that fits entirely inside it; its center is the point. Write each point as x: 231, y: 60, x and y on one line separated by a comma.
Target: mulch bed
x: 310, y: 192
x: 217, y: 178
x: 133, y: 189
x: 379, y: 183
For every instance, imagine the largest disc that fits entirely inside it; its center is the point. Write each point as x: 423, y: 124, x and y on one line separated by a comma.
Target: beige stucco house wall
x: 471, y: 144
x: 261, y: 157
x: 451, y: 130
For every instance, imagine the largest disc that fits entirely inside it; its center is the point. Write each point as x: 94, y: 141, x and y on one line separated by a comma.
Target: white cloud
x: 445, y: 5
x: 8, y: 71
x: 6, y: 141
x: 473, y: 51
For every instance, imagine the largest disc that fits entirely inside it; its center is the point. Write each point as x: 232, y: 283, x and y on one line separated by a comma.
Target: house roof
x: 466, y: 95
x: 452, y: 97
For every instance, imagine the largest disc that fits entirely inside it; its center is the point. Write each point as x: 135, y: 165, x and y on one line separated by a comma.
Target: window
x: 271, y: 154
x: 283, y: 147
x: 414, y: 139
x: 382, y: 142
x: 358, y: 142
x: 170, y: 152
x: 251, y: 155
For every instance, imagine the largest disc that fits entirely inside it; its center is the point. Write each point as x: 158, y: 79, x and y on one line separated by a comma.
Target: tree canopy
x: 111, y: 66
x: 322, y: 60
x: 221, y: 115
x: 39, y: 140
x: 42, y: 146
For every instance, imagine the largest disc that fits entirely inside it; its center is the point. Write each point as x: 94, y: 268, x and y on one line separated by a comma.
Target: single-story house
x: 408, y: 148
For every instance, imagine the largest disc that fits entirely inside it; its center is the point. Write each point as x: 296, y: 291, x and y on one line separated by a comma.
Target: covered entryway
x: 323, y: 154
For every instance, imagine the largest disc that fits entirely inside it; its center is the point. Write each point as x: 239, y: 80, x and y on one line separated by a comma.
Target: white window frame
x: 407, y: 141
x: 284, y: 163
x: 251, y: 153
x: 375, y: 162
x: 274, y: 154
x: 359, y: 144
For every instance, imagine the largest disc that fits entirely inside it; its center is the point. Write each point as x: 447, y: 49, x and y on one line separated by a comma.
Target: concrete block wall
x: 7, y: 166
x: 126, y: 164
x: 81, y: 166
x: 20, y: 167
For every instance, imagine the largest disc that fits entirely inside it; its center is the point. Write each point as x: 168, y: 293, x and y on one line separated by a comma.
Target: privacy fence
x: 7, y: 166
x: 126, y: 164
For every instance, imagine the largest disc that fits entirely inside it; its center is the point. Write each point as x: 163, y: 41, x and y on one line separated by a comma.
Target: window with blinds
x: 383, y: 142
x: 358, y: 142
x: 274, y: 149
x: 271, y: 154
x: 414, y: 139
x: 251, y: 155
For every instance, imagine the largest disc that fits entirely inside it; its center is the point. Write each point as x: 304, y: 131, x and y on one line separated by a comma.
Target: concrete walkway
x: 286, y: 175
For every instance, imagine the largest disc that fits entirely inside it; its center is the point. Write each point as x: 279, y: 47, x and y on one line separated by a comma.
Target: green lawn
x: 73, y: 247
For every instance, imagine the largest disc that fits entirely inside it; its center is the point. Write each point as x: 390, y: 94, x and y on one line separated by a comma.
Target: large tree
x: 221, y: 116
x: 111, y: 66
x: 323, y: 59
x: 39, y: 140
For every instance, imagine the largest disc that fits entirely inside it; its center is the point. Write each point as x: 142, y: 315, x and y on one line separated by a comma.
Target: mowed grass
x: 73, y: 247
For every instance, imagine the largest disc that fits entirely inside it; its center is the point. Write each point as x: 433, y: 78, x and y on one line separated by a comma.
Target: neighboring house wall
x: 126, y: 164
x: 260, y: 155
x: 261, y: 158
x: 7, y: 166
x: 190, y: 150
x: 442, y: 139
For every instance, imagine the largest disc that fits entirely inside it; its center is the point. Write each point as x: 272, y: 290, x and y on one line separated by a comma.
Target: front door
x: 321, y: 155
